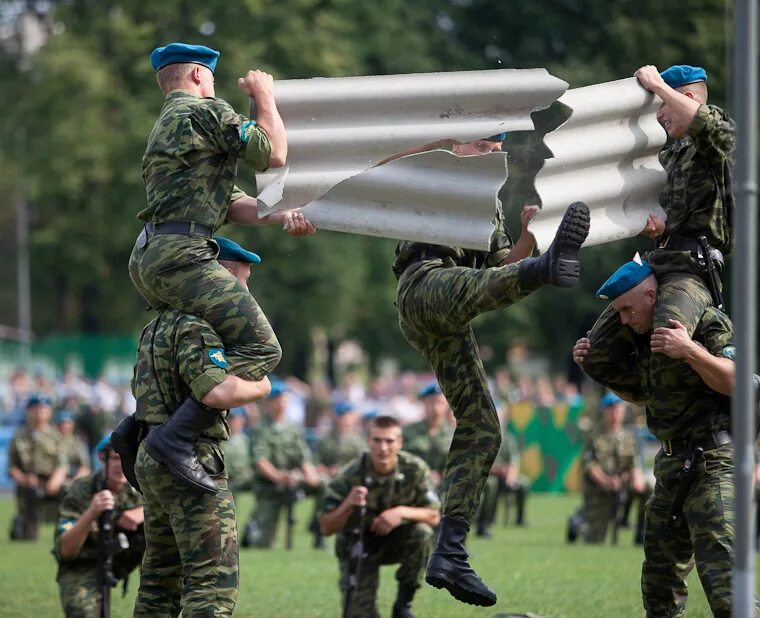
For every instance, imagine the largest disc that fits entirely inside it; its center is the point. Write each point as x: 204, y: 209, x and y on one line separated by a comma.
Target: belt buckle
x: 667, y: 445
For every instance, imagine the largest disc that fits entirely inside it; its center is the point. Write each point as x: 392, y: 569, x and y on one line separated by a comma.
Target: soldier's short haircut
x: 173, y: 75
x: 698, y: 89
x: 384, y: 422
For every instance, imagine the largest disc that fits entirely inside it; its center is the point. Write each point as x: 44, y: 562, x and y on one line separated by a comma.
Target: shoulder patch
x: 729, y: 352
x: 246, y: 130
x: 216, y: 356
x: 65, y: 525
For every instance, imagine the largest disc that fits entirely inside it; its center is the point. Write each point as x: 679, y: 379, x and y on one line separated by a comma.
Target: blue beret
x: 105, y: 442
x: 63, y: 416
x: 609, y: 399
x: 682, y: 74
x: 233, y: 252
x: 430, y: 389
x: 343, y: 407
x: 239, y: 411
x: 174, y: 53
x: 499, y: 137
x: 368, y: 414
x: 278, y: 388
x: 628, y: 276
x: 38, y: 399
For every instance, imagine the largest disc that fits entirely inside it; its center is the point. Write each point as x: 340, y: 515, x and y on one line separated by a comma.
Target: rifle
x: 292, y: 495
x: 711, y: 274
x: 106, y: 579
x: 356, y: 554
x: 619, y: 498
x: 686, y: 475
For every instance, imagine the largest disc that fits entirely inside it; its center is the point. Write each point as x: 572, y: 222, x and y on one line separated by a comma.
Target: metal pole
x: 22, y: 256
x: 744, y: 299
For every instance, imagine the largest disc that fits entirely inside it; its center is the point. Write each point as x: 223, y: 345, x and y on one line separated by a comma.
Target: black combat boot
x: 402, y: 608
x: 559, y: 265
x: 173, y: 445
x: 125, y: 439
x: 448, y: 567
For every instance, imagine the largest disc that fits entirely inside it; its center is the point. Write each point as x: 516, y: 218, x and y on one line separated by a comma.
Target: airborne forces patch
x: 216, y: 355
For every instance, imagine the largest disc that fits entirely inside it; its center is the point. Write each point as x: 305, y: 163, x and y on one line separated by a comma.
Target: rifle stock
x: 356, y: 553
x: 105, y: 545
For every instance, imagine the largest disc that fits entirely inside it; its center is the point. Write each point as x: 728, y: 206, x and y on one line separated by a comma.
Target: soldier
x: 440, y: 290
x: 74, y: 453
x: 282, y: 470
x: 397, y: 510
x: 697, y: 200
x: 342, y: 444
x: 430, y: 438
x: 237, y: 452
x: 189, y: 169
x: 691, y: 513
x: 609, y: 472
x: 37, y: 465
x: 191, y: 551
x: 77, y: 547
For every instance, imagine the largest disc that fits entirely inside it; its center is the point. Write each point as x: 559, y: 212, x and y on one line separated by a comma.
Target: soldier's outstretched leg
x: 173, y: 444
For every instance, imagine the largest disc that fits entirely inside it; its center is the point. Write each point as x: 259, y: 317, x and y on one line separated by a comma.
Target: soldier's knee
x: 421, y: 532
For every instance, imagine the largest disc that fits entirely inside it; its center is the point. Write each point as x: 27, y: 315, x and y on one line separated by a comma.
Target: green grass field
x: 531, y: 569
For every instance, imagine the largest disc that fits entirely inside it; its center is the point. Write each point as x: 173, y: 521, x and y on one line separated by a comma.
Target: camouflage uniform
x: 409, y: 545
x: 39, y: 453
x: 615, y: 454
x: 189, y: 170
x: 283, y: 446
x: 509, y: 453
x: 434, y: 449
x: 697, y: 200
x: 693, y: 412
x: 191, y: 537
x: 338, y: 450
x: 440, y: 291
x: 78, y: 577
x: 237, y: 462
x: 74, y: 455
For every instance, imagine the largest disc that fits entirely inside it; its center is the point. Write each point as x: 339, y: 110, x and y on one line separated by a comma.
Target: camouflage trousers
x: 191, y: 556
x: 181, y: 272
x: 267, y: 512
x: 80, y: 594
x: 705, y: 536
x: 600, y: 509
x: 681, y: 296
x: 436, y: 303
x: 409, y: 546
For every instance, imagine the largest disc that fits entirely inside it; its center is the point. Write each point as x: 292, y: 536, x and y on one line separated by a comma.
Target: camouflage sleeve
x: 718, y: 333
x: 628, y: 453
x: 237, y: 193
x: 14, y: 461
x: 340, y: 486
x: 260, y: 448
x: 713, y: 134
x: 589, y: 456
x: 74, y: 504
x: 501, y: 242
x: 306, y: 455
x: 425, y: 494
x: 235, y: 134
x: 200, y: 357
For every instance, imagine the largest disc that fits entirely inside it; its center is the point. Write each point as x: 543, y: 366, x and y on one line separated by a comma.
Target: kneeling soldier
x: 383, y: 506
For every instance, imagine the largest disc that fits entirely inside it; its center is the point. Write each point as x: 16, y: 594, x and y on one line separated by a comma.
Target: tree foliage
x: 78, y: 112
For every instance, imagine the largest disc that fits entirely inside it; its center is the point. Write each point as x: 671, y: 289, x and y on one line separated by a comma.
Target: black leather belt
x: 708, y: 443
x: 186, y: 228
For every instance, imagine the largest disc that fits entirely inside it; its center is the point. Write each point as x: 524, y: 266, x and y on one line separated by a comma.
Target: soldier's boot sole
x: 565, y: 267
x: 481, y: 597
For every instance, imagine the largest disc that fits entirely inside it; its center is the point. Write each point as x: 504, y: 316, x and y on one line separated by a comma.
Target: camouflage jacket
x: 237, y: 462
x: 433, y: 450
x: 75, y: 503
x: 409, y: 485
x: 692, y: 408
x: 698, y: 197
x: 190, y: 163
x: 179, y: 356
x: 615, y: 453
x: 280, y: 444
x: 335, y: 450
x: 36, y: 452
x: 73, y: 453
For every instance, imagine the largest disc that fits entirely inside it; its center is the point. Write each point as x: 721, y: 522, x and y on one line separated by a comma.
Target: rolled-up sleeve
x: 202, y: 362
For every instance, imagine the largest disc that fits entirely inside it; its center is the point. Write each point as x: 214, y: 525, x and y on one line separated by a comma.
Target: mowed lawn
x: 531, y: 569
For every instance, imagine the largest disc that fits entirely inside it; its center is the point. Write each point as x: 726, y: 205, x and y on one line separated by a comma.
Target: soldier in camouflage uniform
x: 189, y: 169
x: 609, y: 471
x: 342, y: 444
x: 696, y: 413
x: 74, y: 452
x: 440, y: 290
x: 191, y: 536
x: 37, y: 465
x: 430, y: 438
x: 237, y: 452
x: 282, y: 470
x: 77, y: 548
x: 401, y: 509
x: 697, y: 200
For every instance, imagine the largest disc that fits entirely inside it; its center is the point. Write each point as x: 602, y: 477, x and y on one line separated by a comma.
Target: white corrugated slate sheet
x: 340, y: 128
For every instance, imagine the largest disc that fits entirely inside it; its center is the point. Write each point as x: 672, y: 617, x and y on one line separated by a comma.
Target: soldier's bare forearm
x: 234, y: 392
x: 420, y: 514
x: 717, y: 372
x: 335, y: 520
x: 269, y: 120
